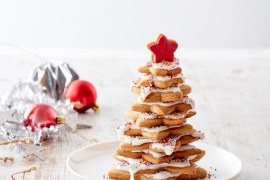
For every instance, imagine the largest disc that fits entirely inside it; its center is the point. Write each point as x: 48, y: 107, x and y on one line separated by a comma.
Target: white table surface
x: 230, y: 88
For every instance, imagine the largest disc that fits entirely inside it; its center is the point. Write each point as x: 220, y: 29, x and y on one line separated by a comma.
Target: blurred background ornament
x: 83, y: 95
x: 41, y: 116
x: 54, y: 77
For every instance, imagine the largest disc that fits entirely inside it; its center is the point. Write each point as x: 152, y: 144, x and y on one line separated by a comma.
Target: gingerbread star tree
x: 156, y: 142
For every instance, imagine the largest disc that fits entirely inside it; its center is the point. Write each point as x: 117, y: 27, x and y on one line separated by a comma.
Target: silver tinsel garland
x: 14, y: 104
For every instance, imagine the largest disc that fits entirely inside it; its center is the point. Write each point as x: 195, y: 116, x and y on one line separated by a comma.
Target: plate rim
x: 118, y: 141
x: 84, y: 147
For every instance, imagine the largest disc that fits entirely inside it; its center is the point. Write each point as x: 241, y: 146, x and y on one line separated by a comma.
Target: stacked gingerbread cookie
x: 156, y: 143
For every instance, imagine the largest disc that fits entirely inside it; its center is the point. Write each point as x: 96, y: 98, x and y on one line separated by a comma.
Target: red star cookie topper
x: 162, y: 49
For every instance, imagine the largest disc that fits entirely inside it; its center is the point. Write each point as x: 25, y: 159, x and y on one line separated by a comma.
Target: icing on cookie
x: 135, y: 165
x: 132, y: 125
x: 135, y: 140
x: 161, y: 175
x: 125, y: 127
x: 147, y: 90
x: 188, y: 100
x: 161, y: 103
x: 192, y: 157
x: 160, y: 155
x: 165, y: 64
x: 151, y: 115
x: 168, y: 144
x: 158, y: 129
x: 151, y: 77
x: 185, y: 100
x: 198, y: 134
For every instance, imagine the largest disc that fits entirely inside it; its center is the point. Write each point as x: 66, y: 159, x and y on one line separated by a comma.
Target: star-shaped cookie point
x: 162, y: 49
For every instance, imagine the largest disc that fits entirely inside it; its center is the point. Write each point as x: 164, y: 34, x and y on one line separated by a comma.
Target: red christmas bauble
x: 40, y: 116
x: 82, y: 94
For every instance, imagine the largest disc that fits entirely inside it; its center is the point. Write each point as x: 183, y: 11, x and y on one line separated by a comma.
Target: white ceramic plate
x: 93, y: 161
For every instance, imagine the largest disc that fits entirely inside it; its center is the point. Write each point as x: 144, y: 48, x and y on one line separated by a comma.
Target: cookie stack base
x: 115, y: 174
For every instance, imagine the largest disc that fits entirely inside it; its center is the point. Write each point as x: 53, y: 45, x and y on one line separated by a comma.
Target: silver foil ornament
x: 54, y: 77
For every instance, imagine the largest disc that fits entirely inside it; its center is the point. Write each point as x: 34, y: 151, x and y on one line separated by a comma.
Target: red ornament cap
x: 162, y: 49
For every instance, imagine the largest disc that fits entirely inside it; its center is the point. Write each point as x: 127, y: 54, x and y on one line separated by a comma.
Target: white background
x: 132, y: 24
x: 229, y: 75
